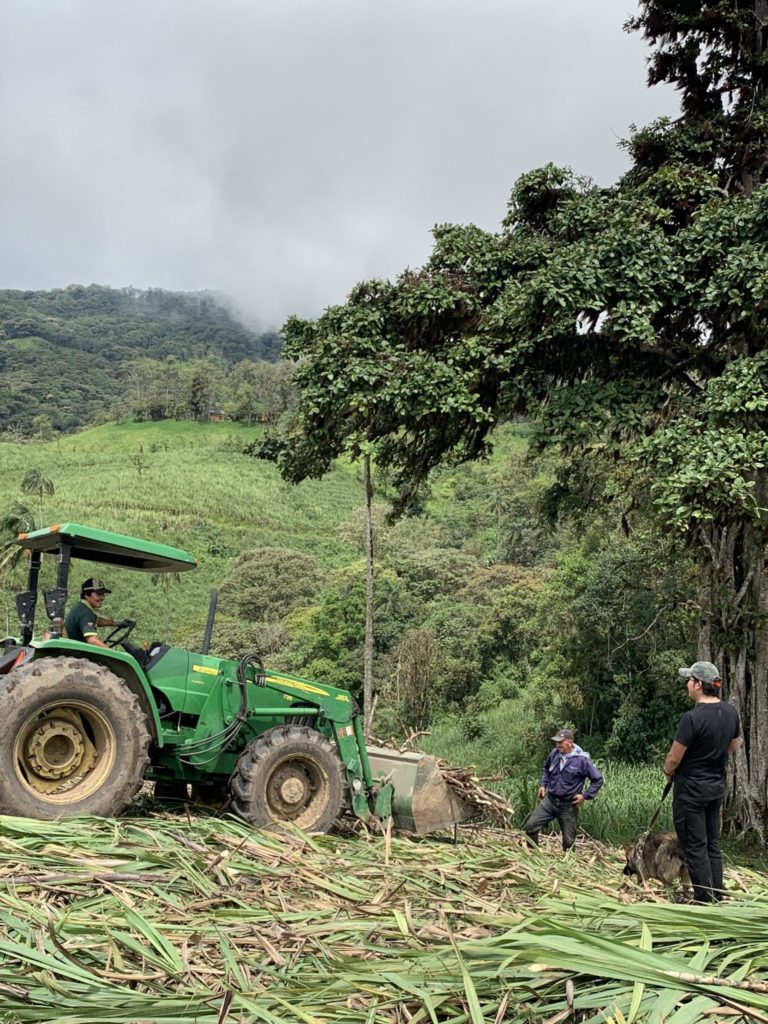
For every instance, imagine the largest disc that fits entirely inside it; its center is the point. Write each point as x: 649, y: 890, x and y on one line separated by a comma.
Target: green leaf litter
x: 206, y: 920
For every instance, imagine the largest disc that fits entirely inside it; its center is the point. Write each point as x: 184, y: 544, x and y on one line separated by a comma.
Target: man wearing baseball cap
x: 83, y: 619
x: 560, y: 793
x: 705, y: 736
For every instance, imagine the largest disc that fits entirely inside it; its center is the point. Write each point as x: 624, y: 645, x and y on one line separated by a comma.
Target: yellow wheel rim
x: 64, y: 752
x: 297, y: 790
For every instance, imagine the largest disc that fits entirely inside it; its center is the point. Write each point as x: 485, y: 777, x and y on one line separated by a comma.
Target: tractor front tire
x: 290, y: 774
x: 73, y: 741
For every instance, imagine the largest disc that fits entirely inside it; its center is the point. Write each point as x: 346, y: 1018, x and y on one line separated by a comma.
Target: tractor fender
x: 119, y: 662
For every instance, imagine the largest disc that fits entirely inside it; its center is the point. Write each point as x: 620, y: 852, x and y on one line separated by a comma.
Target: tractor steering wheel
x: 120, y: 633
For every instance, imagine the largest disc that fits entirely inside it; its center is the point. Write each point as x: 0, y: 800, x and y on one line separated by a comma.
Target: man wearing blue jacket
x: 561, y: 794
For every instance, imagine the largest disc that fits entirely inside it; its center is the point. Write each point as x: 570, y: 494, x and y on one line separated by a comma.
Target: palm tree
x: 35, y: 482
x: 17, y: 519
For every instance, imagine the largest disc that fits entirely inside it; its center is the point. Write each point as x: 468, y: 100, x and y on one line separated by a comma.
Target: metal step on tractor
x: 83, y: 726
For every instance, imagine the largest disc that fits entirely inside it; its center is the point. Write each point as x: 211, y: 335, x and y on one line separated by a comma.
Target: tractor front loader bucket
x: 423, y: 801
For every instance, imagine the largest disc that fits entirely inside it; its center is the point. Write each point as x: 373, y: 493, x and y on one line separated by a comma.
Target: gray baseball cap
x: 563, y: 734
x: 704, y: 671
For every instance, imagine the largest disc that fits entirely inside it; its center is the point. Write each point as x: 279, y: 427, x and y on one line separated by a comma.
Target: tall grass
x: 620, y: 812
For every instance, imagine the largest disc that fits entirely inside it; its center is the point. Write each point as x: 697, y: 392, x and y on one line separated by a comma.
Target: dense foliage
x: 74, y: 355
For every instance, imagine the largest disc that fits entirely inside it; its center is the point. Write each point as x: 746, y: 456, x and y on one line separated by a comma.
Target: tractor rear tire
x: 73, y: 741
x: 290, y: 774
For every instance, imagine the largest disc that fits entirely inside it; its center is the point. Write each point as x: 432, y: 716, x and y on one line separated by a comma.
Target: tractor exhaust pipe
x: 209, y: 624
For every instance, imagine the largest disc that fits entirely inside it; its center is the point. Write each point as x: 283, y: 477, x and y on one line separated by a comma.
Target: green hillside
x: 65, y: 354
x: 195, y: 491
x: 485, y: 614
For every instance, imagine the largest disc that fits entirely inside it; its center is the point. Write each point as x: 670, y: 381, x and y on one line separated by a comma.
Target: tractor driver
x: 83, y: 619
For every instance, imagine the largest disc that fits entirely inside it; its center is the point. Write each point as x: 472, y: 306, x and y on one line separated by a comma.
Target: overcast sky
x: 281, y: 150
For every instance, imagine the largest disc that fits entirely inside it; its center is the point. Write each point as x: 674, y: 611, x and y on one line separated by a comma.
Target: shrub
x: 270, y: 582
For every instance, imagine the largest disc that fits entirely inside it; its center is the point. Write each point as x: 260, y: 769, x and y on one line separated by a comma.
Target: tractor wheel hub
x: 292, y: 791
x: 55, y: 749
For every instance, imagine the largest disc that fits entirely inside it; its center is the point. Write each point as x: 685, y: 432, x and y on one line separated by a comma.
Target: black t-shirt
x: 706, y: 730
x: 81, y: 622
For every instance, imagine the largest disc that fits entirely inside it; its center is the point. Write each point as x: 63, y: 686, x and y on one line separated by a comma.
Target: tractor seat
x: 156, y: 650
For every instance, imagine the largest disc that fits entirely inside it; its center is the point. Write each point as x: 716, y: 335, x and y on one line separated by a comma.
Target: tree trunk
x: 368, y: 703
x: 734, y: 635
x: 706, y: 607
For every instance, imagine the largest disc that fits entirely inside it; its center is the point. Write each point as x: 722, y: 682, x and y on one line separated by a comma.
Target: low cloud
x: 280, y: 151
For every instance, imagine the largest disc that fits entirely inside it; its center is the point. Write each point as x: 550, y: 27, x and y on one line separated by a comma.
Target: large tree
x: 628, y: 322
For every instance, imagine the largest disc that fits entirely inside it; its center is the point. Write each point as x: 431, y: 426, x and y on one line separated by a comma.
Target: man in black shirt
x: 83, y: 618
x: 697, y: 758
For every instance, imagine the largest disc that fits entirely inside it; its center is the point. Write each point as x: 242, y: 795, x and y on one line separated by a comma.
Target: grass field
x: 189, y: 485
x: 184, y: 484
x: 619, y: 814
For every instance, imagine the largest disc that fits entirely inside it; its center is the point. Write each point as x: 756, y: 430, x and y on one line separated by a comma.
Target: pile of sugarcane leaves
x: 204, y: 919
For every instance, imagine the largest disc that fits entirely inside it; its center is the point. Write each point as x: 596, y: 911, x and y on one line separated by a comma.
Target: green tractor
x: 83, y: 726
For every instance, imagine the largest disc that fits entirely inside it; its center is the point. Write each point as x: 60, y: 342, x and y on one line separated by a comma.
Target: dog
x: 658, y: 855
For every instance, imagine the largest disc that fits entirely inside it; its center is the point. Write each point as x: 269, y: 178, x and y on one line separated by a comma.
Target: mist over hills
x: 65, y: 353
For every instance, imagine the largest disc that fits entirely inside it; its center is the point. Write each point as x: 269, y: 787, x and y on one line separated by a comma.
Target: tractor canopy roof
x: 109, y: 548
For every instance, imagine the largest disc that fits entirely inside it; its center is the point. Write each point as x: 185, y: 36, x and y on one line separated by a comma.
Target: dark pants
x: 138, y: 653
x: 548, y: 809
x: 697, y: 823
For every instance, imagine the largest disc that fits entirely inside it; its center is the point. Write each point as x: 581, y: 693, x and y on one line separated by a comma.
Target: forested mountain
x: 65, y: 354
